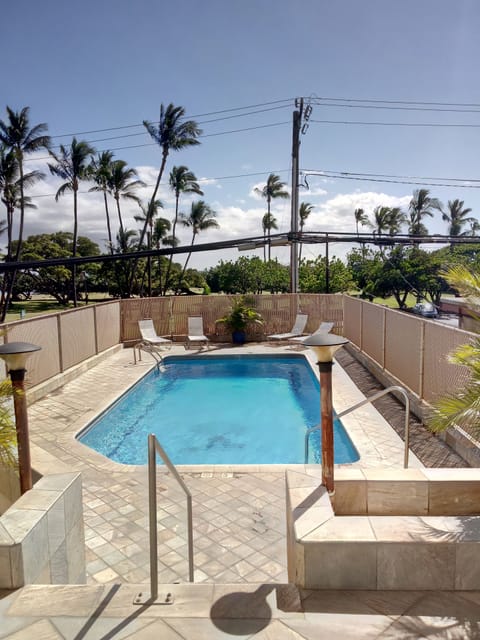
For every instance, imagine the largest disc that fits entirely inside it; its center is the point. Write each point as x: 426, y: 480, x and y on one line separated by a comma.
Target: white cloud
x: 337, y: 212
x: 236, y: 221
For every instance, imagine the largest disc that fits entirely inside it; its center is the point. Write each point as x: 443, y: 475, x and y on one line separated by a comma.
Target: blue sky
x: 110, y: 63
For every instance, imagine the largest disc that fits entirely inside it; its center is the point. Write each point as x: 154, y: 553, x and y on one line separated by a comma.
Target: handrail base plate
x: 144, y: 597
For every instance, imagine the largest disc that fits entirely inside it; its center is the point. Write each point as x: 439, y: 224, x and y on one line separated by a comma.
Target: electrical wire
x: 399, y: 124
x: 198, y: 115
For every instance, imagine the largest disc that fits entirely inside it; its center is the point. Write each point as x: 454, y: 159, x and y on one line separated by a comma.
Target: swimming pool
x: 241, y: 409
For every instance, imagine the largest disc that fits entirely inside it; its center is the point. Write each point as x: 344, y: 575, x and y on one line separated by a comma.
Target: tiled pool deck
x: 239, y: 512
x: 239, y: 537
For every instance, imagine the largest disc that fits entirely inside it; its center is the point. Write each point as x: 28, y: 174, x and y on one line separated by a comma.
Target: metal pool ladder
x: 155, y: 447
x: 370, y: 400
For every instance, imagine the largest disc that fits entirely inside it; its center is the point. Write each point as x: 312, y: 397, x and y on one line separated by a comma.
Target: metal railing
x: 154, y: 447
x: 370, y: 400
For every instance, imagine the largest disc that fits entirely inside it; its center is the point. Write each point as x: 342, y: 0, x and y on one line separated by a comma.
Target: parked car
x: 425, y: 309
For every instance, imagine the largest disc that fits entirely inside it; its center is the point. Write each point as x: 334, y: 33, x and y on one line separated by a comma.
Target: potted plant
x: 241, y: 315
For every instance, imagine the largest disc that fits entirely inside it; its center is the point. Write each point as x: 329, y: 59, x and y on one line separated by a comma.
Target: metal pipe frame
x: 155, y: 447
x: 368, y: 400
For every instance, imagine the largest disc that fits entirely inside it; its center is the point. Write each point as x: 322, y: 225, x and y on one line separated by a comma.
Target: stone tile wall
x: 42, y: 537
x: 405, y: 529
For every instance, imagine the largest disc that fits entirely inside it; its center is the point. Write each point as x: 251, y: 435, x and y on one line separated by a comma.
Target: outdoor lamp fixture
x: 15, y: 355
x: 325, y: 345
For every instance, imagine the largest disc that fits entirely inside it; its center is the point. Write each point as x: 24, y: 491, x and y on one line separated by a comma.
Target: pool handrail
x: 368, y: 400
x: 155, y: 447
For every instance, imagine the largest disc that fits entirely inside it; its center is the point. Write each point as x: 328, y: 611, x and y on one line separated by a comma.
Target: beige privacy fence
x: 412, y: 349
x: 67, y: 338
x: 278, y: 311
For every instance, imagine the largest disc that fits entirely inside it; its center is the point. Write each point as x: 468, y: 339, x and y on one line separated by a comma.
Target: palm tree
x: 462, y: 408
x: 200, y: 218
x: 360, y: 218
x: 457, y: 217
x: 181, y: 181
x: 304, y: 212
x: 388, y: 220
x: 101, y: 169
x: 123, y: 183
x: 274, y: 188
x: 269, y: 222
x: 174, y: 133
x: 161, y: 236
x: 421, y: 205
x: 72, y: 165
x: 149, y: 212
x: 18, y: 137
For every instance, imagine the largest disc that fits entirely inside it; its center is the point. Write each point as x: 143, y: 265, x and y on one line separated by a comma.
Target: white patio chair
x: 150, y: 341
x: 325, y: 327
x: 195, y: 332
x: 297, y: 329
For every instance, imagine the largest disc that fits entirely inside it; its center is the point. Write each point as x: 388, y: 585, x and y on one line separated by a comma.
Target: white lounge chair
x: 297, y: 329
x: 325, y: 327
x: 195, y: 332
x: 150, y: 341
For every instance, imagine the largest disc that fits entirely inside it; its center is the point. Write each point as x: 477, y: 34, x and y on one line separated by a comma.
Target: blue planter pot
x: 238, y: 337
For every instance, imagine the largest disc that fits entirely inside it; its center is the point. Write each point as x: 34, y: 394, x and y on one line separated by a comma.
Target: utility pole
x: 297, y: 121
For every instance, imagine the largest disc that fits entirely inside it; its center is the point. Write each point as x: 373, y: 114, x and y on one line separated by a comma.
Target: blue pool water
x: 219, y: 410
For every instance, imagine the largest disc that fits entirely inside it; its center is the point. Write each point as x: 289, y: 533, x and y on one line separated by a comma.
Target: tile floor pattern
x: 255, y: 612
x: 239, y: 518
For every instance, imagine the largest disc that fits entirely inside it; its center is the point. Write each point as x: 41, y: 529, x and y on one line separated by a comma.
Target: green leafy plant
x: 462, y: 407
x: 241, y: 315
x: 8, y: 435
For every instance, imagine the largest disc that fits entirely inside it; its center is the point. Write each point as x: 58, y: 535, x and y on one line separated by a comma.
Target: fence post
x: 422, y: 361
x: 60, y: 350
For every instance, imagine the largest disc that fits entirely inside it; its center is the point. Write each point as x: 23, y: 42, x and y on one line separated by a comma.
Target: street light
x: 15, y: 355
x: 325, y: 345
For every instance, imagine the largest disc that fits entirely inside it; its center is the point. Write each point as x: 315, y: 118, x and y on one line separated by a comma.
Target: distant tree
x: 17, y: 137
x: 201, y: 218
x: 457, y: 217
x: 269, y: 222
x: 72, y: 165
x: 248, y: 275
x: 21, y: 140
x: 421, y: 206
x: 274, y: 188
x: 172, y: 133
x: 123, y: 183
x: 182, y: 181
x: 388, y: 220
x: 56, y: 281
x: 101, y: 172
x: 149, y: 213
x: 304, y: 212
x: 313, y: 276
x: 360, y: 218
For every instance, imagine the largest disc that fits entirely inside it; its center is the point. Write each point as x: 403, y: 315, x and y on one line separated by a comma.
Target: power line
x: 163, y: 184
x: 420, y: 184
x: 401, y: 102
x: 154, y: 144
x: 399, y: 124
x: 200, y: 115
x: 391, y: 108
x: 387, y: 175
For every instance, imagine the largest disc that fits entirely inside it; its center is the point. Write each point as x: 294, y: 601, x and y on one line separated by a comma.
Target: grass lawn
x: 40, y: 305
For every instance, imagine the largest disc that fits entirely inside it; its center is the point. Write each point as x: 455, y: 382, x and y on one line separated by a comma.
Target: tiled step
x: 68, y: 611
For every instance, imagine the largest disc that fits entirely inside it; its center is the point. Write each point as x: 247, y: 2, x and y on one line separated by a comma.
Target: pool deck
x: 239, y: 540
x: 239, y: 512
